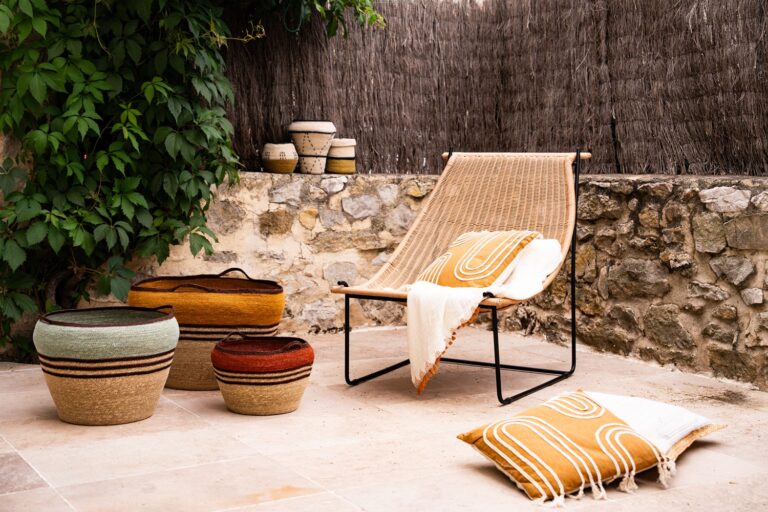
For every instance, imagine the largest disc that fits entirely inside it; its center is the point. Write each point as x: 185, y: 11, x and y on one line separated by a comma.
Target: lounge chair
x: 483, y: 191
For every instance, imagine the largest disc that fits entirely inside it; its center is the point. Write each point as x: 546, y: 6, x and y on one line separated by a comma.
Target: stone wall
x: 669, y: 269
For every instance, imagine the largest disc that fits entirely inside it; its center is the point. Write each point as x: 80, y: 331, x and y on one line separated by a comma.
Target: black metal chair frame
x: 496, y: 364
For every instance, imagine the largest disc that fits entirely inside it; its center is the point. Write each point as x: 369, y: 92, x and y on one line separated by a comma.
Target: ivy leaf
x: 124, y: 240
x: 24, y: 302
x: 173, y: 144
x: 120, y: 287
x: 37, y: 87
x: 199, y: 242
x: 111, y: 238
x: 38, y: 139
x: 5, y: 22
x: 36, y: 233
x: 100, y: 233
x: 55, y: 239
x: 127, y: 208
x: 144, y: 218
x: 40, y: 26
x: 26, y: 7
x: 27, y: 209
x: 14, y: 255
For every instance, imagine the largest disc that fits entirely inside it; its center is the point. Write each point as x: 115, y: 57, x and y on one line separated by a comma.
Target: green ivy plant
x: 119, y: 108
x: 296, y: 13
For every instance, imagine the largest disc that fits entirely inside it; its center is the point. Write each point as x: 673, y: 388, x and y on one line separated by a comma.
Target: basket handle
x: 235, y: 269
x: 191, y: 285
x: 226, y: 340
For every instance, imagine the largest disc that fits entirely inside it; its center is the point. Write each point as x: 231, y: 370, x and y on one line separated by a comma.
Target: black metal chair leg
x: 347, y: 331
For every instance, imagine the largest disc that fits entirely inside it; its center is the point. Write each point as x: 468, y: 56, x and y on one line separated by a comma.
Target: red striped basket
x: 262, y: 375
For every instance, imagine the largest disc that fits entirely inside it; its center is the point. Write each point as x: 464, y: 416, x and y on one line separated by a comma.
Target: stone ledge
x: 670, y: 268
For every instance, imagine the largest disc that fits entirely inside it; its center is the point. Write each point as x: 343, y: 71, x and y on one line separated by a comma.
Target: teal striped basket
x: 106, y: 366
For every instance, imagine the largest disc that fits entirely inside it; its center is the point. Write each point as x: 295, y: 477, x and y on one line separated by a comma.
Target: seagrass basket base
x: 263, y: 400
x: 191, y: 369
x: 106, y: 401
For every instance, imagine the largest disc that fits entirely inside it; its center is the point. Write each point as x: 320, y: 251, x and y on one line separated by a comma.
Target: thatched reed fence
x: 649, y: 86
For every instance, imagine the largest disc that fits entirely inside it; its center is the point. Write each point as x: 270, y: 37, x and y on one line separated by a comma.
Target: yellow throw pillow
x: 565, y: 445
x: 477, y: 259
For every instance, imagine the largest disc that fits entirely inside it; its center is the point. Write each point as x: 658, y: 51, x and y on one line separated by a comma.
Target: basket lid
x: 312, y: 126
x: 342, y: 143
x: 208, y: 283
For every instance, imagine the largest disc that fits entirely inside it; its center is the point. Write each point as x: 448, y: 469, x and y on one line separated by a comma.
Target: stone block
x: 725, y: 199
x: 638, y: 278
x: 734, y: 269
x: 289, y: 194
x: 599, y: 206
x: 698, y: 289
x: 708, y: 233
x: 749, y: 232
x: 752, y: 296
x: 278, y: 222
x: 663, y: 327
x: 362, y: 206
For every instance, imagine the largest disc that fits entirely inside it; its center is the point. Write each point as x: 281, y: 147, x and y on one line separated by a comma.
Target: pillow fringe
x: 667, y: 470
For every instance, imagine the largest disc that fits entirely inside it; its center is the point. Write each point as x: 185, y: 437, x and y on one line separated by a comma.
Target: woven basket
x: 341, y: 157
x: 262, y: 375
x: 279, y: 158
x: 312, y: 140
x: 106, y: 366
x: 208, y: 308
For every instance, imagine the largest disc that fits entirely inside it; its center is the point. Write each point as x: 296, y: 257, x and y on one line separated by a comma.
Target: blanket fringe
x: 433, y: 369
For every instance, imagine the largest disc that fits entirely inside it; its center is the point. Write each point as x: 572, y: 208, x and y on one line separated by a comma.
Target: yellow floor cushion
x: 574, y: 441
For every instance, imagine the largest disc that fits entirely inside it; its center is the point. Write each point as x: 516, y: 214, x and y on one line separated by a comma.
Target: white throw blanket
x: 435, y: 312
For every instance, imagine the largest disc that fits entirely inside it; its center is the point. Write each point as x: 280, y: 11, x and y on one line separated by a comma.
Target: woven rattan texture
x: 486, y: 191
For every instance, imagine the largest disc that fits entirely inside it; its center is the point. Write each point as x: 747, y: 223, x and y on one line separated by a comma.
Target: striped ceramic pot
x: 209, y: 307
x: 262, y: 375
x: 341, y: 157
x: 106, y: 366
x: 279, y: 158
x: 312, y: 140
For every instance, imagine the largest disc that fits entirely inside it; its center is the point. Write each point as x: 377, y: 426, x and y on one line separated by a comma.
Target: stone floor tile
x: 29, y: 404
x: 43, y: 428
x: 325, y: 502
x: 43, y: 499
x: 30, y: 378
x: 125, y: 455
x: 7, y: 366
x: 209, y: 487
x: 16, y: 475
x: 478, y: 487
